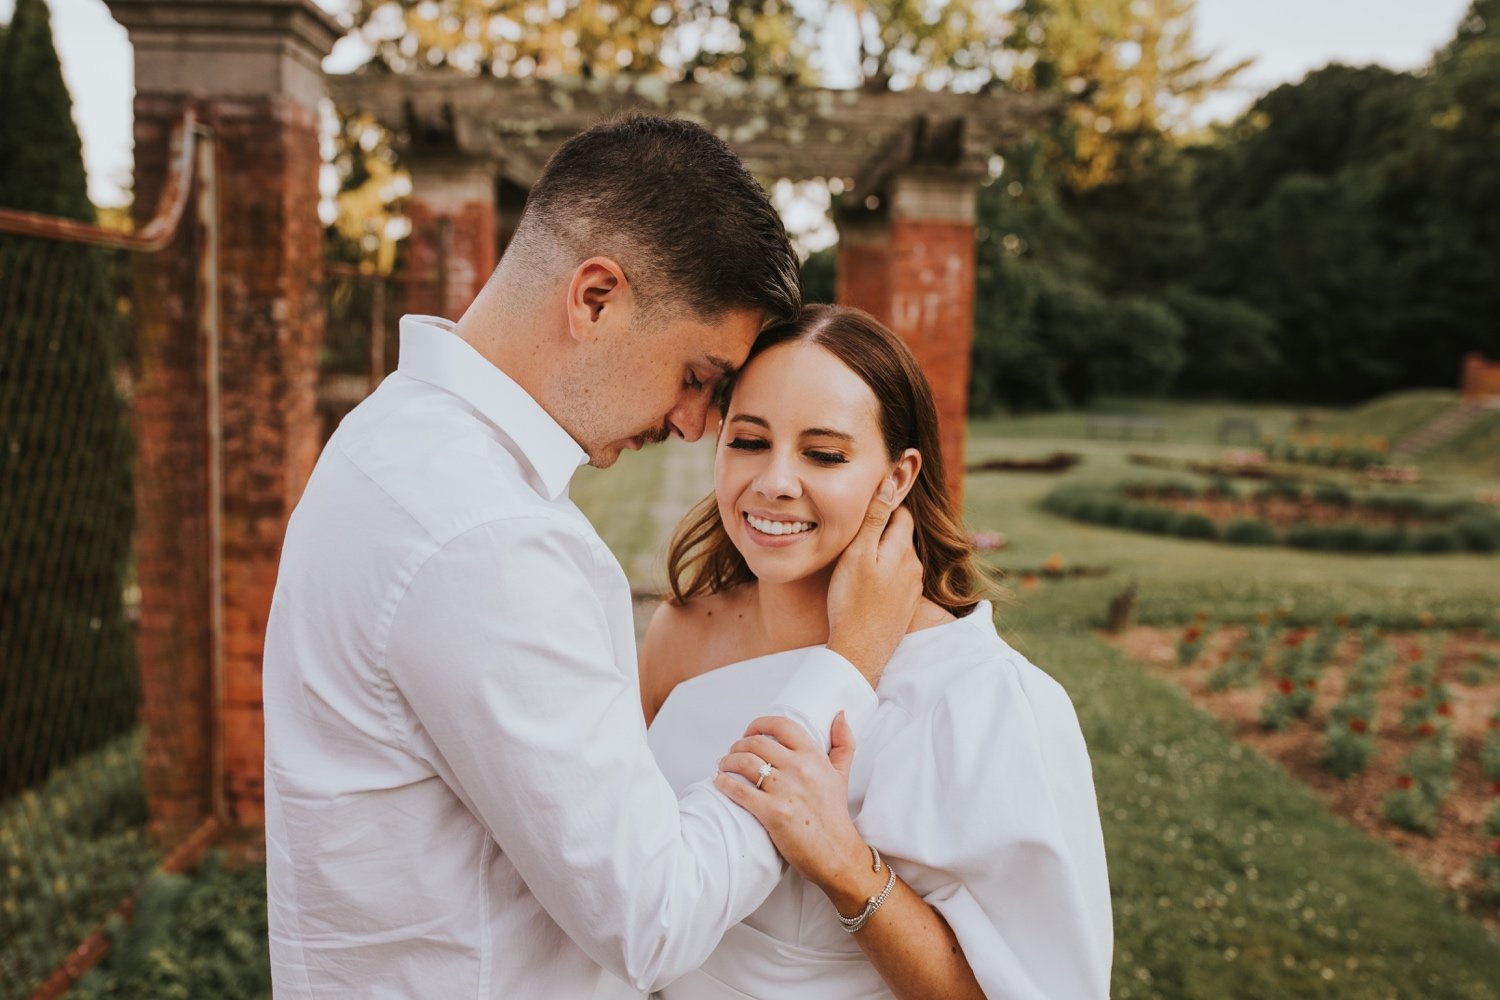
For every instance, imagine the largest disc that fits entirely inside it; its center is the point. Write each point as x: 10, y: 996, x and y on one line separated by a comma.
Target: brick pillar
x: 915, y: 271
x: 864, y: 260
x: 453, y: 239
x: 250, y: 71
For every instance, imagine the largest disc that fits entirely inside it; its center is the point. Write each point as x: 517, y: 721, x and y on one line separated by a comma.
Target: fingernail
x: 887, y: 491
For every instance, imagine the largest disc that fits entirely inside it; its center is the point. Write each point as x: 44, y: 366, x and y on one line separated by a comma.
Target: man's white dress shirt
x: 460, y: 799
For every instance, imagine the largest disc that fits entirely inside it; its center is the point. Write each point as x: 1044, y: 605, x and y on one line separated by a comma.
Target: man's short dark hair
x: 669, y: 196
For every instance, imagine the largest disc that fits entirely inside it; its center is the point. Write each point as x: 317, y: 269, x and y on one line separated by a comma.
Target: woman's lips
x: 776, y: 532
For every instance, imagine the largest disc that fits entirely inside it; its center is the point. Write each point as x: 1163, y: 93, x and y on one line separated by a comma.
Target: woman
x: 961, y: 844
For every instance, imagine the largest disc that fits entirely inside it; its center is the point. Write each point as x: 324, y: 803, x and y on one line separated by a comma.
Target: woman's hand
x: 804, y: 801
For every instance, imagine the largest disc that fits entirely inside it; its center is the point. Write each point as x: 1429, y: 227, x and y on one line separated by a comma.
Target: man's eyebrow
x: 724, y: 365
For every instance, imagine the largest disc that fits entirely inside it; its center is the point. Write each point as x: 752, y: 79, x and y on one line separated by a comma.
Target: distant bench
x: 1127, y: 428
x: 1243, y: 428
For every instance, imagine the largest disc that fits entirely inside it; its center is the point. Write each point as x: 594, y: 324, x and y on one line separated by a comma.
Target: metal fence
x: 75, y: 836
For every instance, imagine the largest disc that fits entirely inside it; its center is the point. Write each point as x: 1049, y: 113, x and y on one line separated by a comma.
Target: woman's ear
x: 599, y: 299
x: 903, y: 474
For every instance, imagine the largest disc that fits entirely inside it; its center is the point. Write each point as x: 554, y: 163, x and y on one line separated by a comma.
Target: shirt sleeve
x: 502, y: 650
x: 988, y: 805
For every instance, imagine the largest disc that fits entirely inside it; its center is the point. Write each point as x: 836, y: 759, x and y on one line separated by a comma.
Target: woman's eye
x: 748, y: 444
x: 827, y: 457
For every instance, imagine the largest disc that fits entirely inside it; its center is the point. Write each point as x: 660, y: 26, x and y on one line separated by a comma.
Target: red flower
x: 1293, y: 639
x: 1357, y: 725
x: 1403, y: 781
x: 1425, y: 729
x: 1414, y: 654
x: 1417, y: 691
x: 1444, y: 709
x: 1495, y: 788
x: 1192, y: 634
x: 1285, y: 685
x: 1341, y: 620
x: 1310, y: 684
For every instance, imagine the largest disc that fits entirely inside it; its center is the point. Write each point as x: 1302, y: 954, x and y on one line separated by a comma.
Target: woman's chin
x: 781, y: 570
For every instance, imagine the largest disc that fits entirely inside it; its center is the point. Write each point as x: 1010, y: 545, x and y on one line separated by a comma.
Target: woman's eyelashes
x: 816, y: 455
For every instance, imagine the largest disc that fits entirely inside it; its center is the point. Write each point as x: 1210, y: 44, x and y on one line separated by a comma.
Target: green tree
x: 67, y: 674
x: 552, y: 38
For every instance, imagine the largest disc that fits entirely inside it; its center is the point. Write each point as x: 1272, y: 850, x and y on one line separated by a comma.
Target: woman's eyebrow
x: 824, y: 432
x: 827, y: 432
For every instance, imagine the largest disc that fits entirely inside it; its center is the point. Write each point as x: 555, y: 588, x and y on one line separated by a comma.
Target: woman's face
x: 800, y: 457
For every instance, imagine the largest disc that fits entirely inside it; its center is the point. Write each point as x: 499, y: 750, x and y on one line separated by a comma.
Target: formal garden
x: 1294, y: 749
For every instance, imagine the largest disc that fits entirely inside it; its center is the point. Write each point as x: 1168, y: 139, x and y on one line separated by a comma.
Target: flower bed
x: 1326, y: 517
x: 1399, y: 732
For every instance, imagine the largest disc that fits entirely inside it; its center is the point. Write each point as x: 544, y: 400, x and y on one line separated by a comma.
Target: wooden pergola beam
x: 780, y: 131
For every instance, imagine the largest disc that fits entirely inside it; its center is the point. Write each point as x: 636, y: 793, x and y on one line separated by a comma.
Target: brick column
x: 453, y: 232
x: 250, y: 71
x: 915, y: 271
x: 864, y: 262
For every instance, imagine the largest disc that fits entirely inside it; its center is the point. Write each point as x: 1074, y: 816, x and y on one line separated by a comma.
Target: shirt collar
x: 433, y: 352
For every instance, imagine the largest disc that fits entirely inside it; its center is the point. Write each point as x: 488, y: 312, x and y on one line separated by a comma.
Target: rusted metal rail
x: 155, y: 235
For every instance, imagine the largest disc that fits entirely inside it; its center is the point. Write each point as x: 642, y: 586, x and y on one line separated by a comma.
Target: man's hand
x: 875, y: 588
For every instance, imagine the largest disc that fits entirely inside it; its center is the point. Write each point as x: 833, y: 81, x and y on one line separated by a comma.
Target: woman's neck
x: 793, y: 614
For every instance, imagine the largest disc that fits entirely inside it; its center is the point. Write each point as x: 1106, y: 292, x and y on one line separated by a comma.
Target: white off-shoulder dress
x: 971, y: 778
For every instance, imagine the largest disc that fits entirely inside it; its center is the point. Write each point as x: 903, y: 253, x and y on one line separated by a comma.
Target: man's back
x: 382, y: 880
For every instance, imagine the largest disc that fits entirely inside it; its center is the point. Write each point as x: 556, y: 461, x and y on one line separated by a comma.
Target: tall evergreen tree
x: 67, y: 674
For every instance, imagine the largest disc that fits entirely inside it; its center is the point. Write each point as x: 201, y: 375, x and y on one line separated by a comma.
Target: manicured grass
x: 1190, y: 423
x: 1391, y: 416
x: 1474, y: 451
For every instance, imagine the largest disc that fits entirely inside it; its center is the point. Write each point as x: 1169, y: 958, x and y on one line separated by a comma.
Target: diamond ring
x: 765, y: 772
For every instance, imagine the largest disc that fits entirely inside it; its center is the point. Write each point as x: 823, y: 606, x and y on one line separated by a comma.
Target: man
x: 460, y: 800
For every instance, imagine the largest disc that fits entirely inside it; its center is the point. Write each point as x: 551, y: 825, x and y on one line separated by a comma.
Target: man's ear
x: 903, y: 474
x: 599, y: 299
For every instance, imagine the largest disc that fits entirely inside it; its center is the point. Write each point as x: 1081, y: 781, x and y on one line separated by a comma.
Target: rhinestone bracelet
x: 852, y: 924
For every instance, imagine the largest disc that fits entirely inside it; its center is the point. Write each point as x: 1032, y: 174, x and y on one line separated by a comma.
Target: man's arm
x: 502, y: 650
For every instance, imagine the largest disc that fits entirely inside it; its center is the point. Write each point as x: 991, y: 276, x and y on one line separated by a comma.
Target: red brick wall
x: 271, y: 327
x: 470, y: 254
x: 861, y: 276
x: 1481, y: 378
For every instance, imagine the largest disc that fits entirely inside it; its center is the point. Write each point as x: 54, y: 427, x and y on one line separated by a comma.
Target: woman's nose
x: 777, y: 477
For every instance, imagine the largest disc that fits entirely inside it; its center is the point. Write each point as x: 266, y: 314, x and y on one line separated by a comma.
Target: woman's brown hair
x: 702, y: 560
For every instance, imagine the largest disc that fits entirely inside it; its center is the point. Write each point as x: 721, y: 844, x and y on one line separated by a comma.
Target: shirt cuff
x: 824, y: 685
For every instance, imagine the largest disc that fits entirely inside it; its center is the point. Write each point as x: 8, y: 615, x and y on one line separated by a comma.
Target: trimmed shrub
x: 1196, y: 526
x: 1436, y: 541
x: 1246, y: 531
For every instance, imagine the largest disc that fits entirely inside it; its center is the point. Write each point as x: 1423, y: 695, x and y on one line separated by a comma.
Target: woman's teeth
x: 778, y: 527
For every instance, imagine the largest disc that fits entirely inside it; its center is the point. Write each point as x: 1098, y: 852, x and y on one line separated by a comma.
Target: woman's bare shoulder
x: 685, y: 640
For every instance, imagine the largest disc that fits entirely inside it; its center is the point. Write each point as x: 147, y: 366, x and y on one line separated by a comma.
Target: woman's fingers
x: 747, y: 766
x: 767, y: 748
x: 783, y: 730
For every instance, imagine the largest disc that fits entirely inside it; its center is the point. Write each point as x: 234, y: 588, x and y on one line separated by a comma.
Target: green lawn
x: 1230, y: 880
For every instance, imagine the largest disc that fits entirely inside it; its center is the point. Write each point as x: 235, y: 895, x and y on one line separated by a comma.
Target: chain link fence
x: 75, y: 837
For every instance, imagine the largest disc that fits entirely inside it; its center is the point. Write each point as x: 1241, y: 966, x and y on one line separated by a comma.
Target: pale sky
x: 1286, y: 38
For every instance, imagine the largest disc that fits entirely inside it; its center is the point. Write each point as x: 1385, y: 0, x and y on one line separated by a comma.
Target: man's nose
x: 689, y: 419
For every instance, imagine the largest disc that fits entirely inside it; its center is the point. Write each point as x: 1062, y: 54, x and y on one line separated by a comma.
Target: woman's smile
x: 776, y: 531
